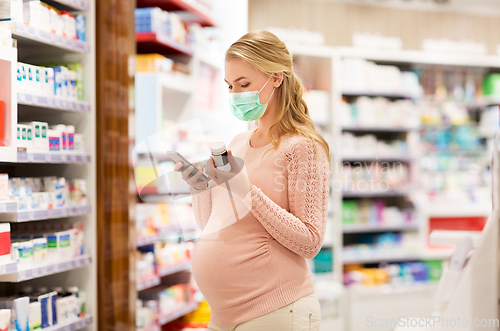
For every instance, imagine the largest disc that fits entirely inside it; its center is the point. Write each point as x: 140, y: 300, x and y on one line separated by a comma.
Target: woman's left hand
x: 237, y: 177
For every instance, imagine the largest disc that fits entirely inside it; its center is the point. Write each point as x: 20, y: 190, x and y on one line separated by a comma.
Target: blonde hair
x: 266, y: 53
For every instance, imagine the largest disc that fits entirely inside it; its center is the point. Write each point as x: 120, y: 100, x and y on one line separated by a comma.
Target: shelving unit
x: 171, y: 98
x: 40, y: 47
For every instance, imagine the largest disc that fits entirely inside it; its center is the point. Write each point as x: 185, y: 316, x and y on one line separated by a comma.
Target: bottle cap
x: 218, y: 148
x: 43, y: 290
x: 73, y: 289
x: 58, y: 289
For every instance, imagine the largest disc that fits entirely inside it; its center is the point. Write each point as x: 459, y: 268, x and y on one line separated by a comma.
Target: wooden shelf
x: 189, y: 12
x: 161, y: 44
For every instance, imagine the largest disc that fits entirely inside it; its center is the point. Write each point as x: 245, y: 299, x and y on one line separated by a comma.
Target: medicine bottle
x: 219, y: 154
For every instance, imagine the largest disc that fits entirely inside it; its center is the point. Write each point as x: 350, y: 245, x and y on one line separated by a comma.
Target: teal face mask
x: 246, y: 106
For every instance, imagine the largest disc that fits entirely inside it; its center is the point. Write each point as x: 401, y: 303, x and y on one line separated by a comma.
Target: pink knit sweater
x: 257, y: 264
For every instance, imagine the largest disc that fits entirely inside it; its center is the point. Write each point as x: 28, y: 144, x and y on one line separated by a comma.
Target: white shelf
x: 374, y: 194
x: 70, y: 4
x: 458, y: 211
x: 361, y: 290
x: 165, y: 271
x: 423, y: 57
x: 379, y: 228
x: 8, y: 267
x: 28, y: 36
x: 161, y: 232
x: 401, y: 158
x: 378, y: 129
x: 72, y: 325
x: 42, y: 101
x: 23, y: 273
x: 389, y: 95
x: 154, y: 327
x: 162, y: 320
x: 378, y: 258
x: 170, y: 81
x: 151, y: 282
x: 44, y: 214
x: 8, y: 206
x: 52, y: 157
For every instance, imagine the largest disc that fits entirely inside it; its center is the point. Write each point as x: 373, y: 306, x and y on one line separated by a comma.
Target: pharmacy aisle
x: 47, y: 162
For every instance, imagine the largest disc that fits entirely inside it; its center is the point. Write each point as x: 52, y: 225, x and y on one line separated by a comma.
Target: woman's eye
x: 230, y: 87
x: 246, y: 85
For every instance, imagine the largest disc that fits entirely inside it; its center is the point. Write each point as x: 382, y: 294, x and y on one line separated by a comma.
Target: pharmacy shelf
x: 401, y: 158
x: 378, y: 258
x: 27, y: 36
x: 189, y: 11
x: 52, y: 157
x: 378, y: 129
x: 379, y: 228
x: 154, y: 327
x: 7, y: 267
x: 375, y: 194
x: 173, y: 82
x: 42, y: 101
x: 188, y: 308
x: 161, y: 44
x: 165, y: 271
x: 375, y: 94
x: 23, y: 273
x: 8, y: 206
x: 160, y: 233
x: 162, y: 191
x: 458, y: 211
x: 149, y: 283
x: 80, y: 5
x: 361, y: 290
x: 72, y: 325
x: 45, y: 214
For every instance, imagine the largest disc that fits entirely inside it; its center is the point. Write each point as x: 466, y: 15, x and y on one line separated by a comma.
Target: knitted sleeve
x: 202, y: 205
x: 302, y: 229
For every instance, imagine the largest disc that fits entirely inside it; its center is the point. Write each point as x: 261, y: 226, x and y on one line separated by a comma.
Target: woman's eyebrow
x: 236, y: 80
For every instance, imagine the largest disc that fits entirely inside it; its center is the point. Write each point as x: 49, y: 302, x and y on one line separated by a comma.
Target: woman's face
x: 242, y: 77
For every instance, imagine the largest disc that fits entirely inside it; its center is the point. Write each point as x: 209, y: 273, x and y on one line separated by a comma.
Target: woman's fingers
x: 194, y: 179
x: 178, y: 166
x: 235, y: 162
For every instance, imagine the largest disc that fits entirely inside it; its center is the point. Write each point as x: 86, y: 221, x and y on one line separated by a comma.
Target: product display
x: 162, y: 22
x: 394, y: 274
x: 43, y: 309
x: 162, y: 303
x: 47, y: 192
x: 37, y: 243
x: 380, y: 112
x: 63, y: 81
x: 361, y: 76
x: 369, y: 145
x: 381, y: 246
x: 4, y: 242
x: 374, y: 177
x: 369, y: 212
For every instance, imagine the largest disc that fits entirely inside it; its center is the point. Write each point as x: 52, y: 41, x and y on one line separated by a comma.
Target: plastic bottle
x: 219, y: 153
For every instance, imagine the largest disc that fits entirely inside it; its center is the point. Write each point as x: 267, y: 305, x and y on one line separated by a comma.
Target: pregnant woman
x: 250, y: 260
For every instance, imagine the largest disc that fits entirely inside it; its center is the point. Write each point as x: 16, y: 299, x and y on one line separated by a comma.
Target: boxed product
x: 35, y: 315
x: 4, y: 186
x: 5, y: 319
x: 81, y: 27
x: 26, y: 252
x: 19, y: 315
x: 11, y: 10
x: 5, y: 37
x: 55, y: 140
x: 4, y: 242
x: 39, y: 250
x: 46, y: 310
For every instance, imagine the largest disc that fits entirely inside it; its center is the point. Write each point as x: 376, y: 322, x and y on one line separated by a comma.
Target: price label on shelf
x: 63, y: 266
x: 28, y: 274
x: 49, y: 269
x: 43, y: 101
x: 3, y: 207
x: 3, y: 269
x: 28, y: 98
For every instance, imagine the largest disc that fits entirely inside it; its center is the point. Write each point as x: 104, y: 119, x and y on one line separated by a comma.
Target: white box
x: 11, y: 10
x: 4, y: 186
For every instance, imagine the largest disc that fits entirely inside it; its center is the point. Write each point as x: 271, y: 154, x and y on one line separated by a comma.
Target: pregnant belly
x: 231, y: 271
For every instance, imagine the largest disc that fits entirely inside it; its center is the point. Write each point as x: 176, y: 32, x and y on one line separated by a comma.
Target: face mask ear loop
x: 270, y: 96
x: 265, y: 83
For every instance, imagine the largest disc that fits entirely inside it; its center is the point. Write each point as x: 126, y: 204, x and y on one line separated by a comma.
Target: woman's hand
x: 193, y: 181
x: 236, y: 177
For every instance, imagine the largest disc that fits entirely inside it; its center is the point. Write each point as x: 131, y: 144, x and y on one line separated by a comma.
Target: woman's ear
x: 277, y: 79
